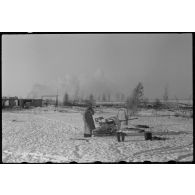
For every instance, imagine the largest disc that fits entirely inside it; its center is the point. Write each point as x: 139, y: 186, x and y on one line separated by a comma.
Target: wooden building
x: 10, y: 102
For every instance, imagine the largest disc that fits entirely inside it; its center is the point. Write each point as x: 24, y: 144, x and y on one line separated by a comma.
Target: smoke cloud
x: 78, y: 87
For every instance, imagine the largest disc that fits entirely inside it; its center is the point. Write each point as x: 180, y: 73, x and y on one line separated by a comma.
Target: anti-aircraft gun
x: 108, y: 126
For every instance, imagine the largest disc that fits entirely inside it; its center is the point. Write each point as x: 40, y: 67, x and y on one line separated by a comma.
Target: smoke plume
x: 77, y: 87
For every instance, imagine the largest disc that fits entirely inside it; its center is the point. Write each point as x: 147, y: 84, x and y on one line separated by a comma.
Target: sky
x: 97, y: 63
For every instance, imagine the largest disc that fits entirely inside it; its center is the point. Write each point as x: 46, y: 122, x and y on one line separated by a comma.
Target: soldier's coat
x: 122, y: 117
x: 88, y: 121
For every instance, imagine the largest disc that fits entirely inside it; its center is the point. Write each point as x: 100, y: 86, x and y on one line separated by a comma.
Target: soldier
x: 89, y: 125
x: 123, y: 121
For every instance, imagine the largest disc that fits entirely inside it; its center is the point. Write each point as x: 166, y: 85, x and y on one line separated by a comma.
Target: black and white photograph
x: 97, y: 97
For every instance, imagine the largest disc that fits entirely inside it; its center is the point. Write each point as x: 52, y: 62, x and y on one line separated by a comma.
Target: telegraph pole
x: 57, y: 98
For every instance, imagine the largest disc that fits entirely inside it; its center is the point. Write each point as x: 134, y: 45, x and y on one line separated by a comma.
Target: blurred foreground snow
x: 56, y: 135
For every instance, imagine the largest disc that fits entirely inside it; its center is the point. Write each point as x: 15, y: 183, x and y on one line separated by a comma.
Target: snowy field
x: 48, y: 135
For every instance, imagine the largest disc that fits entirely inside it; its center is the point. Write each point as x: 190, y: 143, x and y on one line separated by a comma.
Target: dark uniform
x: 88, y: 122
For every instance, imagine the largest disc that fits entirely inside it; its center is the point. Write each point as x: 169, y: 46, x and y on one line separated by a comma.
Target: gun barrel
x: 128, y: 119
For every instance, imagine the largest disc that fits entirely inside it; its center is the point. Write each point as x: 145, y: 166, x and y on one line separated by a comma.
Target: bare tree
x: 176, y: 102
x: 66, y: 99
x: 103, y: 97
x: 189, y: 99
x: 122, y: 98
x: 166, y: 94
x: 76, y: 94
x: 134, y: 100
x: 117, y: 96
x: 99, y: 98
x: 108, y: 97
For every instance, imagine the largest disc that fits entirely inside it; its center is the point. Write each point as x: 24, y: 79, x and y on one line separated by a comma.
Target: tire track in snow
x: 164, y: 150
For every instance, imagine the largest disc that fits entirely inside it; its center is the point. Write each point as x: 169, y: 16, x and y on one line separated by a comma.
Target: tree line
x: 132, y: 101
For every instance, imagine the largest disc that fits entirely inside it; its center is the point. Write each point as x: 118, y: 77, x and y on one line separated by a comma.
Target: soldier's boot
x: 123, y: 137
x: 118, y: 136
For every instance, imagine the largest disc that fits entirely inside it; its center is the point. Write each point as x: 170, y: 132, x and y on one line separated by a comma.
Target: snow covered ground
x: 56, y: 135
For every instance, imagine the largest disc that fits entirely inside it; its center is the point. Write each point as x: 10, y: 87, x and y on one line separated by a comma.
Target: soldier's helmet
x: 89, y: 105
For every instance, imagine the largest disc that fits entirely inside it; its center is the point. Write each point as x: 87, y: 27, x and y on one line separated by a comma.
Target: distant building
x: 10, y: 102
x: 30, y: 103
